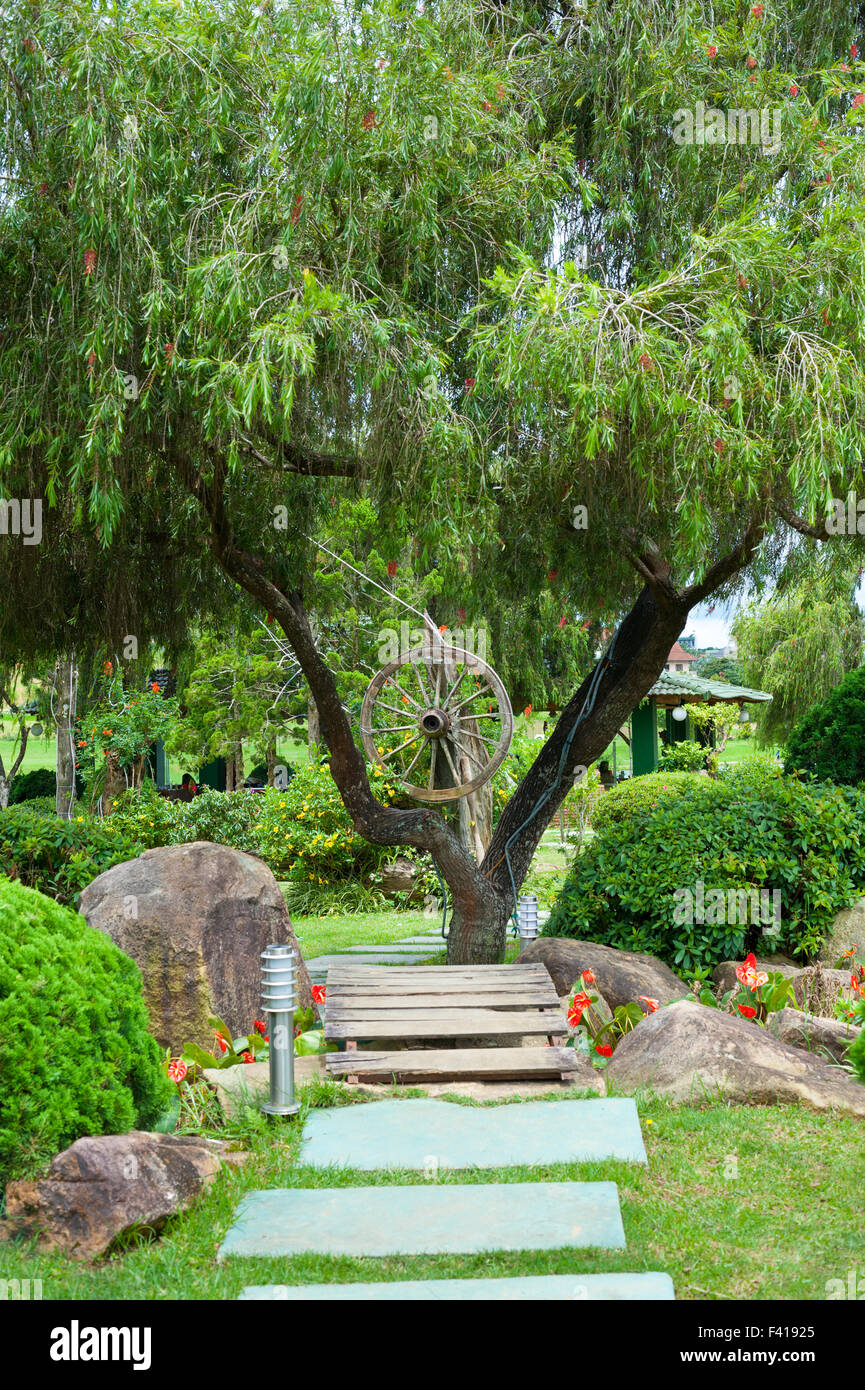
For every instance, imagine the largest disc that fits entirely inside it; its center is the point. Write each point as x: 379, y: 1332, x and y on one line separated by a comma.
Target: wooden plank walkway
x: 444, y: 1004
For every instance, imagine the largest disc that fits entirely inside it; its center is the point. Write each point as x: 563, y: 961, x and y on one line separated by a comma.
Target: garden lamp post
x: 527, y: 919
x: 278, y: 966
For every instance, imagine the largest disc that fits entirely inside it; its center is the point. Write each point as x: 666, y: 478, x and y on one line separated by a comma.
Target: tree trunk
x: 484, y: 895
x: 270, y: 760
x: 313, y: 726
x: 229, y: 774
x: 114, y: 785
x: 239, y: 773
x: 65, y: 696
x: 4, y: 792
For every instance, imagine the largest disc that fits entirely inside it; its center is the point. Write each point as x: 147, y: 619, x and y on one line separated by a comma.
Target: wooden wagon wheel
x: 437, y: 713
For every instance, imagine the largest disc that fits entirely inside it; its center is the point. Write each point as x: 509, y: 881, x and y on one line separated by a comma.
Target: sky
x: 711, y: 629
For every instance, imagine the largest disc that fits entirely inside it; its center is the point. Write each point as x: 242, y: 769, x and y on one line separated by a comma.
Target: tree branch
x: 730, y: 563
x: 798, y: 523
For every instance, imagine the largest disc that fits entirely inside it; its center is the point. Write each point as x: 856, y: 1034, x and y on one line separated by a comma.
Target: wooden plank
x: 361, y: 1002
x: 433, y: 986
x: 443, y: 1023
x: 390, y: 974
x: 346, y: 963
x: 479, y: 1063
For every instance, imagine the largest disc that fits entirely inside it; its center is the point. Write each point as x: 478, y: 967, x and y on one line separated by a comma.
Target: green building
x: 671, y: 692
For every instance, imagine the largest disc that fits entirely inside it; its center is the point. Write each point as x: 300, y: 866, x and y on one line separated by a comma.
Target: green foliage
x: 720, y: 668
x: 798, y: 645
x: 41, y: 782
x: 127, y: 727
x: 752, y: 828
x: 856, y: 1056
x: 829, y: 742
x: 686, y: 756
x: 77, y: 1056
x: 61, y: 857
x: 637, y: 796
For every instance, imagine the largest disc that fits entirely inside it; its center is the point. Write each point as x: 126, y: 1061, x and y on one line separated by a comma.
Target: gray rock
x: 820, y: 1035
x: 619, y: 975
x: 101, y: 1188
x: 693, y: 1053
x: 195, y: 919
x: 846, y: 931
x: 818, y: 990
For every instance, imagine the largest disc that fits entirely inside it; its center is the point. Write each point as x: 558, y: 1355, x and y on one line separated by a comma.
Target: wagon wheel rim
x: 415, y: 711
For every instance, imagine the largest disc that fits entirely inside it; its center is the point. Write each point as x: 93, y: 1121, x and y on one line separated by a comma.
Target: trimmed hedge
x: 638, y: 796
x: 829, y: 743
x: 752, y: 828
x: 56, y: 856
x: 40, y: 782
x: 77, y: 1056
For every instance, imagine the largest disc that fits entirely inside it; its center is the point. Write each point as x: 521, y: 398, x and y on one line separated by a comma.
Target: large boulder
x: 619, y: 975
x: 846, y: 931
x: 693, y: 1053
x: 101, y: 1188
x: 818, y: 990
x: 821, y: 1035
x: 195, y: 919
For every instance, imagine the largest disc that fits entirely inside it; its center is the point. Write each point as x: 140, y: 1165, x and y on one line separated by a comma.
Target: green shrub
x: 856, y: 1056
x: 829, y: 743
x: 687, y: 756
x: 42, y: 781
x: 76, y: 1054
x: 306, y: 835
x: 752, y: 828
x: 638, y: 796
x: 60, y: 857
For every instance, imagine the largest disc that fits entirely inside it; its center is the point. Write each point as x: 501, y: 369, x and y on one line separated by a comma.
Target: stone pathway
x: 537, y: 1287
x: 409, y: 950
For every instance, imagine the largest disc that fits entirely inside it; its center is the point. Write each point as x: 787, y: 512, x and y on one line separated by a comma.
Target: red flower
x: 551, y: 576
x: 843, y: 67
x: 91, y: 361
x: 588, y: 977
x: 604, y: 1049
x: 563, y: 622
x: 470, y: 385
x: 500, y: 92
x: 527, y: 711
x: 89, y: 261
x: 748, y: 974
x: 43, y: 189
x: 854, y: 51
x: 443, y: 627
x: 369, y: 120
x: 296, y: 209
x: 319, y: 994
x: 746, y: 1010
x: 751, y: 62
x: 247, y: 1057
x: 259, y: 1026
x: 719, y: 446
x: 487, y: 105
x: 859, y: 99
x: 794, y: 90
x: 712, y: 51
x: 652, y: 1005
x: 169, y: 352
x: 177, y: 1069
x: 392, y: 568
x: 646, y: 362
x: 757, y: 11
x: 154, y: 687
x: 220, y: 1042
x: 108, y: 667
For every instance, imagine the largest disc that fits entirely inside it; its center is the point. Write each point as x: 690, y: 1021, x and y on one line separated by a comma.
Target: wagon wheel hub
x: 435, y: 723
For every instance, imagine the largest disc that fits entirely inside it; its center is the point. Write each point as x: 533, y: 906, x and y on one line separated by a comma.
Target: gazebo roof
x: 696, y: 689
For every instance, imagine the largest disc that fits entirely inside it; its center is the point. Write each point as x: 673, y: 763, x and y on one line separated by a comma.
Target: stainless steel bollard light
x: 278, y: 998
x: 527, y: 919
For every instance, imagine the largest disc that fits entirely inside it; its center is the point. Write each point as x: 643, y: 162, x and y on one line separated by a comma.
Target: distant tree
x: 720, y: 668
x: 798, y: 646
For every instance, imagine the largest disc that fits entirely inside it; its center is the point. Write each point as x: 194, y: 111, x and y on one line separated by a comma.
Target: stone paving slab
x: 319, y: 965
x: 546, y: 1287
x: 418, y: 1133
x: 395, y: 948
x: 427, y: 1219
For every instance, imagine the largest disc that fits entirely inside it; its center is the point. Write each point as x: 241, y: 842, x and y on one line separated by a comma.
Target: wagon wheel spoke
x: 467, y: 753
x: 450, y: 762
x: 404, y: 693
x: 394, y: 709
x: 475, y: 696
x: 424, y: 693
x: 391, y: 728
x: 432, y: 764
x: 393, y: 752
x: 422, y: 749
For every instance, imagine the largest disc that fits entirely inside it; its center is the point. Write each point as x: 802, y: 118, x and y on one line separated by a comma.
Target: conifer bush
x: 75, y: 1054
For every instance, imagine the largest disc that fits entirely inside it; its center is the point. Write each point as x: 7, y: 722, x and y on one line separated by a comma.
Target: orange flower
x: 588, y: 977
x: 652, y: 1005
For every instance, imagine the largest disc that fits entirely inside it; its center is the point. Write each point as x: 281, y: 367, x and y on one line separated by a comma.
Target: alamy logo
x: 77, y: 1343
x: 709, y: 126
x: 417, y: 642
x: 732, y: 907
x: 846, y: 518
x: 16, y: 1290
x: 21, y: 517
x: 853, y: 1288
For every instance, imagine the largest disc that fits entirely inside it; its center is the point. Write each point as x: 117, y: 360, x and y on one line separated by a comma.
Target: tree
x: 829, y: 742
x: 720, y: 668
x: 261, y: 259
x: 798, y: 645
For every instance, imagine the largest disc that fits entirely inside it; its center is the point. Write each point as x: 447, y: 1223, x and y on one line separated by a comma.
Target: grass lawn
x: 317, y: 936
x: 40, y: 752
x: 779, y: 1228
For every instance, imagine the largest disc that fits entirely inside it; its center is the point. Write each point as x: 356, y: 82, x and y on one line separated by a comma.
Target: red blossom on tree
x: 712, y: 51
x: 369, y: 120
x: 757, y: 11
x: 751, y: 61
x: 794, y: 90
x: 296, y: 209
x: 392, y: 568
x: 89, y: 260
